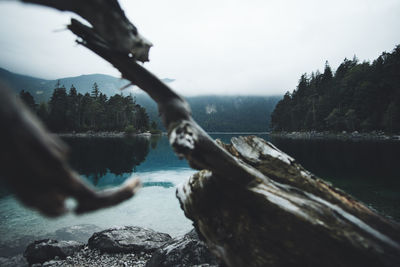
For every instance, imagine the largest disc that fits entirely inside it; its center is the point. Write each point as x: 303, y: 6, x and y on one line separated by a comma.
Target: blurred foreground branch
x: 34, y: 164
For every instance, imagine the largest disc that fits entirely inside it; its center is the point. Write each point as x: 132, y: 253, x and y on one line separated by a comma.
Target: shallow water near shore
x: 366, y: 170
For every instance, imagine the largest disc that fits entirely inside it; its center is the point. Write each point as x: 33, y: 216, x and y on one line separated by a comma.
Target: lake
x: 365, y: 169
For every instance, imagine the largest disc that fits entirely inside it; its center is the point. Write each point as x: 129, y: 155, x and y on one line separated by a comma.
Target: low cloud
x: 212, y: 47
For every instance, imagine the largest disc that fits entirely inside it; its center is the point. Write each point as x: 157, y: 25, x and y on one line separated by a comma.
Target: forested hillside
x: 42, y: 89
x: 214, y: 113
x: 69, y: 111
x: 358, y: 96
x: 233, y: 113
x: 223, y: 113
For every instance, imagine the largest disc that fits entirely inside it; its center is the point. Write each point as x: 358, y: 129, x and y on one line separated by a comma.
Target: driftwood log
x: 252, y: 204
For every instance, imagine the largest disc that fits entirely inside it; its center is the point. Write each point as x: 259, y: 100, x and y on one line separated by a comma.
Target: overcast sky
x: 211, y: 46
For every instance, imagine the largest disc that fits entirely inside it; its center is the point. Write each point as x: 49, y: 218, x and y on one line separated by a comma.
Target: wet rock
x: 47, y: 249
x: 185, y: 251
x: 16, y: 261
x: 81, y: 232
x: 128, y: 239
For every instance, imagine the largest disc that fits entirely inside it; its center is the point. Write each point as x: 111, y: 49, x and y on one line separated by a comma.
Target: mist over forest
x: 215, y: 113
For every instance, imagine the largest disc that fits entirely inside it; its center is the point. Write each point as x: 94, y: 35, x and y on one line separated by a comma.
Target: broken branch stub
x: 109, y: 21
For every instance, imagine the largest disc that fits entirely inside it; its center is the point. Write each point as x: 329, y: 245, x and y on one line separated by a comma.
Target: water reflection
x: 345, y: 159
x: 365, y: 169
x: 96, y: 158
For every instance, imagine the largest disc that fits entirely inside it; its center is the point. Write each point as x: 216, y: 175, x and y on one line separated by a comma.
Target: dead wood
x: 290, y: 219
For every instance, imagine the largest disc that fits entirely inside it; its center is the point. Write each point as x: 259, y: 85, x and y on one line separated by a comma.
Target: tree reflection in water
x: 95, y: 157
x: 365, y: 169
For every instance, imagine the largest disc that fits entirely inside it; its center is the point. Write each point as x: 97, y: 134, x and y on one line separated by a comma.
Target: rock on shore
x: 182, y: 252
x: 128, y: 239
x: 47, y: 249
x: 125, y: 246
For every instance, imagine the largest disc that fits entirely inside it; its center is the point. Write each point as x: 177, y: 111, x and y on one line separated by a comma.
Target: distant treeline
x: 358, y: 96
x: 233, y: 113
x: 71, y: 111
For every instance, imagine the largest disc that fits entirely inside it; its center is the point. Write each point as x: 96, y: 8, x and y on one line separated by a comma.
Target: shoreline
x: 90, y: 134
x: 354, y: 136
x: 123, y: 246
x: 307, y: 135
x: 106, y: 134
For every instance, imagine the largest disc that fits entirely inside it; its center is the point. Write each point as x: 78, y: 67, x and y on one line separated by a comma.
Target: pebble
x: 93, y: 257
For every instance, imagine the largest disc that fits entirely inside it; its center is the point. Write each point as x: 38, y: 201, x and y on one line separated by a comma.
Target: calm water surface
x: 367, y: 170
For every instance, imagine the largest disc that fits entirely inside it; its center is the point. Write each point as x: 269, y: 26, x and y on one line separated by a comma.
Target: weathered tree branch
x: 253, y: 204
x: 186, y: 136
x: 294, y: 220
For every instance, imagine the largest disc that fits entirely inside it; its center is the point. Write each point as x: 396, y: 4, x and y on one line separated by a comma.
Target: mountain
x: 233, y: 113
x: 214, y: 113
x: 219, y: 113
x: 36, y: 87
x: 42, y: 89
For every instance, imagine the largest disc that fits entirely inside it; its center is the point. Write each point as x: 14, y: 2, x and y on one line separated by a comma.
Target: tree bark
x: 252, y: 204
x: 290, y: 219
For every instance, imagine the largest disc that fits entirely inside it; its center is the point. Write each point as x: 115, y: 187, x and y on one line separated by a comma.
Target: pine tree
x: 327, y: 76
x: 27, y: 98
x: 95, y: 91
x: 58, y: 105
x: 73, y: 118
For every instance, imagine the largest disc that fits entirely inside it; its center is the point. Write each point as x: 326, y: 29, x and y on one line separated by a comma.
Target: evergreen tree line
x: 71, y: 111
x: 357, y: 97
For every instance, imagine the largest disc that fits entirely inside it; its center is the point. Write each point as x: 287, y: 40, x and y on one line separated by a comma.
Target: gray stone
x: 128, y: 239
x: 181, y: 252
x: 48, y: 249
